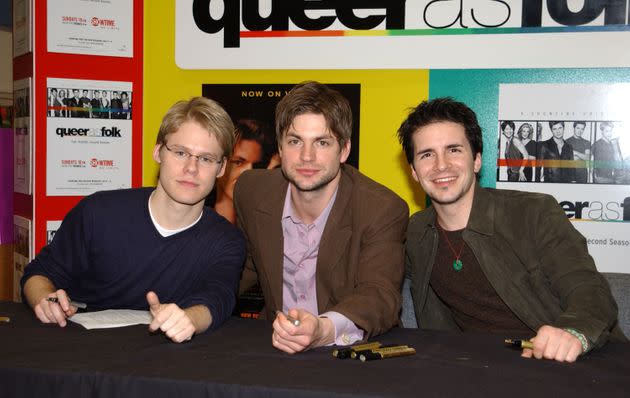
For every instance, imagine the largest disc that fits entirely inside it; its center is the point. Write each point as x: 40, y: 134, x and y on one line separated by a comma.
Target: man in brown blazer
x: 324, y: 241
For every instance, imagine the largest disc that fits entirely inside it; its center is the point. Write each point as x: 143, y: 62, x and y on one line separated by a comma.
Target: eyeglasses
x: 182, y: 155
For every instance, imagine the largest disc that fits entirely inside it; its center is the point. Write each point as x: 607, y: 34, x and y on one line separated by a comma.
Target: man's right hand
x: 51, y: 312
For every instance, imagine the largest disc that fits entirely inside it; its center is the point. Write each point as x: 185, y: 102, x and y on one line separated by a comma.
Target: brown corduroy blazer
x: 360, y: 261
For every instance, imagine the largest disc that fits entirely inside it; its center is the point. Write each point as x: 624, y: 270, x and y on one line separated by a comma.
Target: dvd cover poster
x: 572, y: 141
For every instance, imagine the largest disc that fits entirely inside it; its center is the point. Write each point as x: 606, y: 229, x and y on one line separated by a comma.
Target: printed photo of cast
x: 563, y: 151
x: 88, y: 103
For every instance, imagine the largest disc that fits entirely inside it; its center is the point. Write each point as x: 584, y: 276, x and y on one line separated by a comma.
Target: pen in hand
x: 72, y: 303
x: 519, y: 343
x: 295, y: 322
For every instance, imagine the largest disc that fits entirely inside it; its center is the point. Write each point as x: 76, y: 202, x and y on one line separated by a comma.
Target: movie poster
x: 88, y: 136
x: 258, y: 102
x: 23, y: 137
x: 572, y: 141
x: 22, y: 252
x: 91, y: 27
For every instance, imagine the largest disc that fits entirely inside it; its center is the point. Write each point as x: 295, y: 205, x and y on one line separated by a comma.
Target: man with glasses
x: 325, y: 242
x: 151, y: 248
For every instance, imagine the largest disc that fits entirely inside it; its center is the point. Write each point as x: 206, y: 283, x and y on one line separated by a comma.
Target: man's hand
x: 170, y: 319
x: 554, y: 343
x: 51, y: 312
x: 312, y: 332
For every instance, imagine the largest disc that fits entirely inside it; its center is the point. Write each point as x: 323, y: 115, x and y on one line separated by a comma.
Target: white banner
x: 575, y: 140
x: 398, y: 34
x: 88, y: 136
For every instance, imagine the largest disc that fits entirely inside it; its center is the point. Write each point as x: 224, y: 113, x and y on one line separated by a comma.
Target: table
x: 38, y: 360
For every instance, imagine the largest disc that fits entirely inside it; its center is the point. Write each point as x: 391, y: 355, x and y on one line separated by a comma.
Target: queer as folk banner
x: 88, y: 136
x: 572, y: 141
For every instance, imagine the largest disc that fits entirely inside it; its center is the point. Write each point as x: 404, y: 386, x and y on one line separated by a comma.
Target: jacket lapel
x: 269, y: 232
x: 336, y: 237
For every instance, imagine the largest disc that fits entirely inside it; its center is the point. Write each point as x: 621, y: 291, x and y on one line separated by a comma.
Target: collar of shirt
x: 320, y: 221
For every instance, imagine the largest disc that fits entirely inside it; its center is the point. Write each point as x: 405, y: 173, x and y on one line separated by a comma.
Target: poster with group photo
x: 572, y: 141
x: 23, y: 137
x: 88, y: 136
x: 91, y: 27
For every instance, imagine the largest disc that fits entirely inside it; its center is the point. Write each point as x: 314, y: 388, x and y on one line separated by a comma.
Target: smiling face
x: 188, y: 181
x: 310, y: 154
x: 444, y: 164
x: 526, y: 132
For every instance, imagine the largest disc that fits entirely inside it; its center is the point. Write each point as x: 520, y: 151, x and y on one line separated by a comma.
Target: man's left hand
x: 170, y: 319
x: 554, y: 343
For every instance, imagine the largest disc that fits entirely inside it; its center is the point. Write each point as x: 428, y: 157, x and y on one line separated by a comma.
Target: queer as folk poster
x: 572, y: 141
x: 88, y: 136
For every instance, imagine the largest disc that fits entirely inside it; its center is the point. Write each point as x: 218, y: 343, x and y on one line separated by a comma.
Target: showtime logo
x: 110, y: 23
x: 102, y: 163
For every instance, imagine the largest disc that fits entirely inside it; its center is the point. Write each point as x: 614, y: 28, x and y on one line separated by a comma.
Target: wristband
x: 581, y: 337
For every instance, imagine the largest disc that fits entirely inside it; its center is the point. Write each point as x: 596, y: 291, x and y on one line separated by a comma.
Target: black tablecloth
x: 38, y: 360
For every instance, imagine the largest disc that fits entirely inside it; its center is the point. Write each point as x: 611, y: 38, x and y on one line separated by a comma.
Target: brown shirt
x: 475, y: 304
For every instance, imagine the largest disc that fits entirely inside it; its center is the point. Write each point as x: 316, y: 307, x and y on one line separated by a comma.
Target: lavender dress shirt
x: 301, y: 245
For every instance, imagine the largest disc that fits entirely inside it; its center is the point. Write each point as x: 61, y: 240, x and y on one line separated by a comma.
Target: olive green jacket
x: 533, y: 257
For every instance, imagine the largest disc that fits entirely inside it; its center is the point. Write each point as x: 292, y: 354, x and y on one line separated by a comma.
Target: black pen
x: 72, y: 303
x: 519, y: 343
x: 295, y: 322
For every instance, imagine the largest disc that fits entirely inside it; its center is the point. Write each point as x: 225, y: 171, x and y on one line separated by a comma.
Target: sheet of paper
x: 111, y: 318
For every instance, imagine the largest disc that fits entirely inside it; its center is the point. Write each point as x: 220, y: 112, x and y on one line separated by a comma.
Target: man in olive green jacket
x: 496, y: 260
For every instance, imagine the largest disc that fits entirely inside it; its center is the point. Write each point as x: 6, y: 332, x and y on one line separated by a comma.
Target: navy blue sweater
x: 108, y: 254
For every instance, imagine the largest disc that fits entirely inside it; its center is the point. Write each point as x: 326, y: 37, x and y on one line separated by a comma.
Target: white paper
x: 91, y: 27
x: 111, y: 318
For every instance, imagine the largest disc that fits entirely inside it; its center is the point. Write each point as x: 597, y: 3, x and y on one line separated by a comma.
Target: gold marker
x: 343, y: 353
x: 295, y: 322
x: 390, y: 352
x: 5, y: 319
x: 519, y: 343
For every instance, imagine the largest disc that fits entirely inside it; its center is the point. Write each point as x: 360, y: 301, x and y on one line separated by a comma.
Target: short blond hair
x: 208, y: 113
